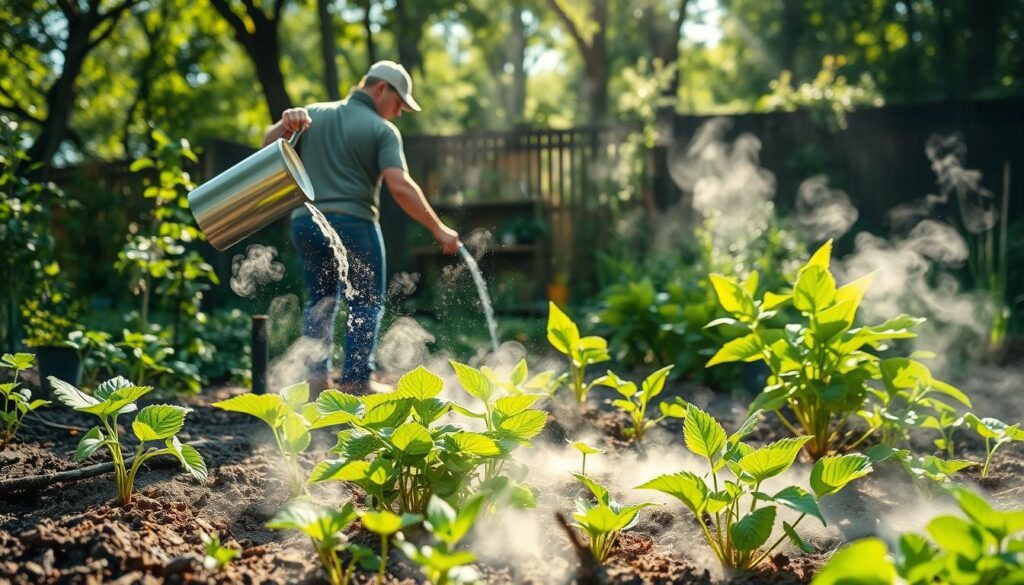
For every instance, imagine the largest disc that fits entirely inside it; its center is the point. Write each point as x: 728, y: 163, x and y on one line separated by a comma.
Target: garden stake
x: 260, y: 353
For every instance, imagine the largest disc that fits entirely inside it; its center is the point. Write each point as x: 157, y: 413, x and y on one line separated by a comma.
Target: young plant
x: 935, y: 470
x: 995, y: 432
x: 984, y: 546
x: 400, y: 454
x: 17, y: 401
x: 216, y: 556
x: 946, y: 421
x: 325, y: 528
x: 821, y: 366
x: 158, y: 422
x: 604, y: 519
x: 441, y: 563
x: 386, y: 524
x: 635, y: 403
x: 282, y: 413
x: 736, y: 517
x: 585, y: 449
x: 564, y: 335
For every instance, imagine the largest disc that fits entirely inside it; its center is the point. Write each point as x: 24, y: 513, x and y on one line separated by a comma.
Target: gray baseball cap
x: 398, y: 78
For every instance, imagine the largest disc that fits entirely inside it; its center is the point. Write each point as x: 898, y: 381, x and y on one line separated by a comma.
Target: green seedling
x: 158, y: 422
x: 935, y: 470
x: 386, y: 524
x: 17, y: 401
x: 603, y: 519
x: 946, y: 422
x: 736, y: 517
x: 564, y: 335
x: 823, y: 369
x: 634, y: 402
x: 982, y: 546
x: 325, y: 528
x: 283, y: 413
x: 216, y: 555
x: 585, y: 449
x: 995, y: 432
x: 399, y: 453
x: 441, y: 563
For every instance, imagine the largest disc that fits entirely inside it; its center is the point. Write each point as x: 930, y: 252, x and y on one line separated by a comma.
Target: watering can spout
x: 253, y: 193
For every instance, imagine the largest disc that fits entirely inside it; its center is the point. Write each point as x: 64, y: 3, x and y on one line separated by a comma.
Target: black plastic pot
x: 62, y: 363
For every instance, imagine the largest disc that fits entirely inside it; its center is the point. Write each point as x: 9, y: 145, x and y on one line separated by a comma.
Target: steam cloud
x: 823, y: 212
x: 255, y: 269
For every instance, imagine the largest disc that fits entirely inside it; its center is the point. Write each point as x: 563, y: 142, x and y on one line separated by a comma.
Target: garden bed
x: 74, y: 532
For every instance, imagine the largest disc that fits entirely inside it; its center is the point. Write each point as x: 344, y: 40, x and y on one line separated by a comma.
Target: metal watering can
x: 248, y: 196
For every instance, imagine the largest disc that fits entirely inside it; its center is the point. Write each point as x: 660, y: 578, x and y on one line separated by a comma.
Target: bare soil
x: 75, y: 532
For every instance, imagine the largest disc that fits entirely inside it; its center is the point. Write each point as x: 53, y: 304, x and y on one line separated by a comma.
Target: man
x: 350, y: 147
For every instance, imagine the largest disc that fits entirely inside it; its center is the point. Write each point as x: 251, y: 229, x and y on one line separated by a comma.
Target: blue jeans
x: 365, y: 245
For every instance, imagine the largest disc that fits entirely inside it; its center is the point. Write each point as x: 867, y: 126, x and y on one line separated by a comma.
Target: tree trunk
x: 371, y: 49
x: 517, y: 56
x: 328, y: 51
x: 409, y: 25
x: 595, y: 58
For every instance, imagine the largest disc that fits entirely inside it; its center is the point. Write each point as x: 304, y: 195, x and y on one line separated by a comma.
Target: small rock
x: 30, y: 538
x: 180, y: 564
x: 33, y: 568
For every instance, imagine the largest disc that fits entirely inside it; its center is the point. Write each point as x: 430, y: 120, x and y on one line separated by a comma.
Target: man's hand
x: 295, y: 119
x: 448, y: 238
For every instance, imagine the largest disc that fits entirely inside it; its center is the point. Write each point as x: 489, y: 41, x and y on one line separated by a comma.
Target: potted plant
x: 47, y: 333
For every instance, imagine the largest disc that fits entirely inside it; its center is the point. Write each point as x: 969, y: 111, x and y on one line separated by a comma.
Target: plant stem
x: 383, y: 559
x: 776, y: 544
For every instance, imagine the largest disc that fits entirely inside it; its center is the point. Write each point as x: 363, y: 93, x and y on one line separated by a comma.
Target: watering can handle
x: 295, y: 137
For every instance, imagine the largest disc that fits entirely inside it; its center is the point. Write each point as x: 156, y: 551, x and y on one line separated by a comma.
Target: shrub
x: 17, y: 401
x: 158, y: 422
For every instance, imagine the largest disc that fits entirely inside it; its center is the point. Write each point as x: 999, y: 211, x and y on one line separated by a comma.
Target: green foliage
x: 386, y: 523
x: 564, y: 335
x: 983, y: 546
x: 99, y: 355
x: 216, y: 556
x: 634, y: 402
x: 325, y: 527
x: 17, y: 401
x: 995, y: 432
x: 585, y: 449
x: 736, y: 517
x: 822, y: 367
x: 398, y: 451
x: 290, y: 419
x: 158, y: 422
x: 828, y: 97
x: 931, y: 469
x: 603, y: 519
x: 442, y: 563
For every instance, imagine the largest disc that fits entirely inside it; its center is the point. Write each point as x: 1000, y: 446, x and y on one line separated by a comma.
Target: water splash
x: 340, y: 253
x: 481, y: 289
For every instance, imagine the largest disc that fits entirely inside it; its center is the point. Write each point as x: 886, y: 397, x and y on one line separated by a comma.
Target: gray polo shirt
x: 344, y: 151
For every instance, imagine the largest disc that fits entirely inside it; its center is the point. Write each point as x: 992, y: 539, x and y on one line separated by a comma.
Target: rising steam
x: 255, y: 269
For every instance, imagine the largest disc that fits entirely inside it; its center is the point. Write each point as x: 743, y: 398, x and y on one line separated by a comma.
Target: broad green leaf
x: 71, y: 396
x: 525, y: 425
x: 267, y: 407
x: 733, y: 297
x: 562, y: 332
x: 799, y: 499
x: 389, y: 414
x: 686, y: 487
x: 988, y: 427
x: 387, y: 523
x: 831, y: 473
x: 773, y: 301
x: 412, y: 439
x: 321, y: 523
x: 602, y: 519
x: 420, y: 384
x: 295, y: 395
x: 191, y: 460
x: 105, y: 389
x: 294, y: 433
x: 335, y: 401
x: 473, y: 381
x: 747, y: 427
x: 864, y: 562
x: 915, y: 556
x: 120, y: 401
x: 653, y: 384
x: 599, y: 491
x: 451, y: 526
x: 1000, y: 523
x: 519, y: 373
x: 339, y: 470
x: 796, y: 538
x: 159, y: 421
x: 956, y: 535
x: 751, y: 531
x: 854, y: 292
x: 585, y: 448
x: 821, y: 256
x: 355, y: 444
x: 703, y: 435
x: 18, y: 361
x: 832, y: 321
x: 431, y: 409
x: 772, y: 459
x: 815, y: 289
x: 90, y: 441
x: 511, y: 405
x: 742, y: 349
x: 476, y: 444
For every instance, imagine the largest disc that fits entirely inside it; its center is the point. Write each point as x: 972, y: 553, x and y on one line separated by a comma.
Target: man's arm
x: 410, y: 198
x: 292, y: 120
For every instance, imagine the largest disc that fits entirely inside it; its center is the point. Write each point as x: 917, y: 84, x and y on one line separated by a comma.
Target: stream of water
x: 340, y: 253
x: 481, y: 289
